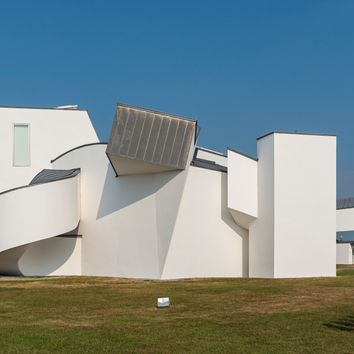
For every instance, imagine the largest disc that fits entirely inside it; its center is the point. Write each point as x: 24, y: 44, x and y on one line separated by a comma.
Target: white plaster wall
x: 118, y: 218
x: 261, y: 231
x: 39, y: 212
x: 52, y: 132
x: 218, y: 158
x: 206, y: 241
x: 167, y: 203
x: 345, y: 219
x: 344, y: 253
x: 304, y: 205
x: 242, y: 193
x: 172, y: 224
x: 53, y: 256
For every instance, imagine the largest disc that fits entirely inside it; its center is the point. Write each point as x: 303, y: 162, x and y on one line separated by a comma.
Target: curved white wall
x: 39, y: 212
x: 53, y: 256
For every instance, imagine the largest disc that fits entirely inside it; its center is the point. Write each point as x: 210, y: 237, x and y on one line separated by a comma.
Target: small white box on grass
x: 163, y: 302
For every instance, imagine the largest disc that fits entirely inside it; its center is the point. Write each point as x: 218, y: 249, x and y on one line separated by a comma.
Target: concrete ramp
x: 48, y: 207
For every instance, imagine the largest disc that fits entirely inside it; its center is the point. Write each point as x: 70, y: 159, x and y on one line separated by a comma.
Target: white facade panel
x: 305, y: 205
x: 261, y: 231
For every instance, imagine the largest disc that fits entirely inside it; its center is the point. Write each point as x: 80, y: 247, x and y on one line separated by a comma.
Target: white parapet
x: 242, y: 188
x: 344, y: 253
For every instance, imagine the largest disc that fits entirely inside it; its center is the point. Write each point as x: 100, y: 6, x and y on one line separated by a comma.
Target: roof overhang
x: 144, y: 141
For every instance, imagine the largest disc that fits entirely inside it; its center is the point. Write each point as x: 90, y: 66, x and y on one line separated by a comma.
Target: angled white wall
x: 242, y: 192
x: 344, y: 253
x: 51, y: 132
x: 206, y: 241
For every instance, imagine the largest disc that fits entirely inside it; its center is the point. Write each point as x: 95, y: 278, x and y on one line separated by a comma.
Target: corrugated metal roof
x: 48, y: 175
x: 152, y: 137
x: 345, y: 203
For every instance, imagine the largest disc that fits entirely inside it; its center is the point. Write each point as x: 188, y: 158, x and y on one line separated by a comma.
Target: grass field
x: 100, y: 315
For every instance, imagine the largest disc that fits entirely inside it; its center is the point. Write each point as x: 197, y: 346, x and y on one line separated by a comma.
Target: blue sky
x: 242, y: 68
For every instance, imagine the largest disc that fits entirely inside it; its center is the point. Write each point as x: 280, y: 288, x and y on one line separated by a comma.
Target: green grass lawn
x: 212, y: 315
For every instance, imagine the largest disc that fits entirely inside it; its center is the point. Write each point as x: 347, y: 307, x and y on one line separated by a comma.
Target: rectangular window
x: 21, y: 154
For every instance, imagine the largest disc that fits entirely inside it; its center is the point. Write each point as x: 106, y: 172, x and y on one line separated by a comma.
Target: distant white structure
x: 151, y: 204
x: 345, y: 224
x: 344, y: 253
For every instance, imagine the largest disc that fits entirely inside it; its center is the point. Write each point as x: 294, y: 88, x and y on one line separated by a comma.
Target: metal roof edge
x: 157, y: 112
x: 211, y: 151
x: 46, y: 108
x: 39, y: 184
x: 242, y: 154
x: 76, y: 148
x: 295, y: 133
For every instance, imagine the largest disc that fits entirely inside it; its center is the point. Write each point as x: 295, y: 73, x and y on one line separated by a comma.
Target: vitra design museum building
x: 152, y: 204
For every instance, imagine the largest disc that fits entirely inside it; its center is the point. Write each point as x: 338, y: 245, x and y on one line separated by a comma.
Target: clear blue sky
x: 242, y: 68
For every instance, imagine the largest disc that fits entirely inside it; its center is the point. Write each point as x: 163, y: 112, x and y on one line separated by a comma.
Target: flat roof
x: 294, y: 133
x: 210, y: 151
x: 243, y: 154
x: 50, y: 108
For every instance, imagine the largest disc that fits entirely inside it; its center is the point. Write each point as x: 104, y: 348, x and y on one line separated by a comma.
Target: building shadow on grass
x: 344, y: 324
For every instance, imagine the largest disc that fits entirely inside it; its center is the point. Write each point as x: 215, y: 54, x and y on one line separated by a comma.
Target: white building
x: 151, y: 204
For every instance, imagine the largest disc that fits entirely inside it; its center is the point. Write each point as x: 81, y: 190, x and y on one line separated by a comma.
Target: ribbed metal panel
x: 151, y: 137
x: 48, y: 175
x: 345, y: 203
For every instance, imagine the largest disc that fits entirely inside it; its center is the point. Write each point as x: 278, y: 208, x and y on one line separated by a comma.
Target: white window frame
x: 13, y: 144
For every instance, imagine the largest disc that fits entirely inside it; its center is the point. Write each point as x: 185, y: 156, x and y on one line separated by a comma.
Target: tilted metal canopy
x: 145, y: 141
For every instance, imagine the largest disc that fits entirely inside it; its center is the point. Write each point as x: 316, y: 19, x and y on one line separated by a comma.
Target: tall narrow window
x: 21, y: 153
